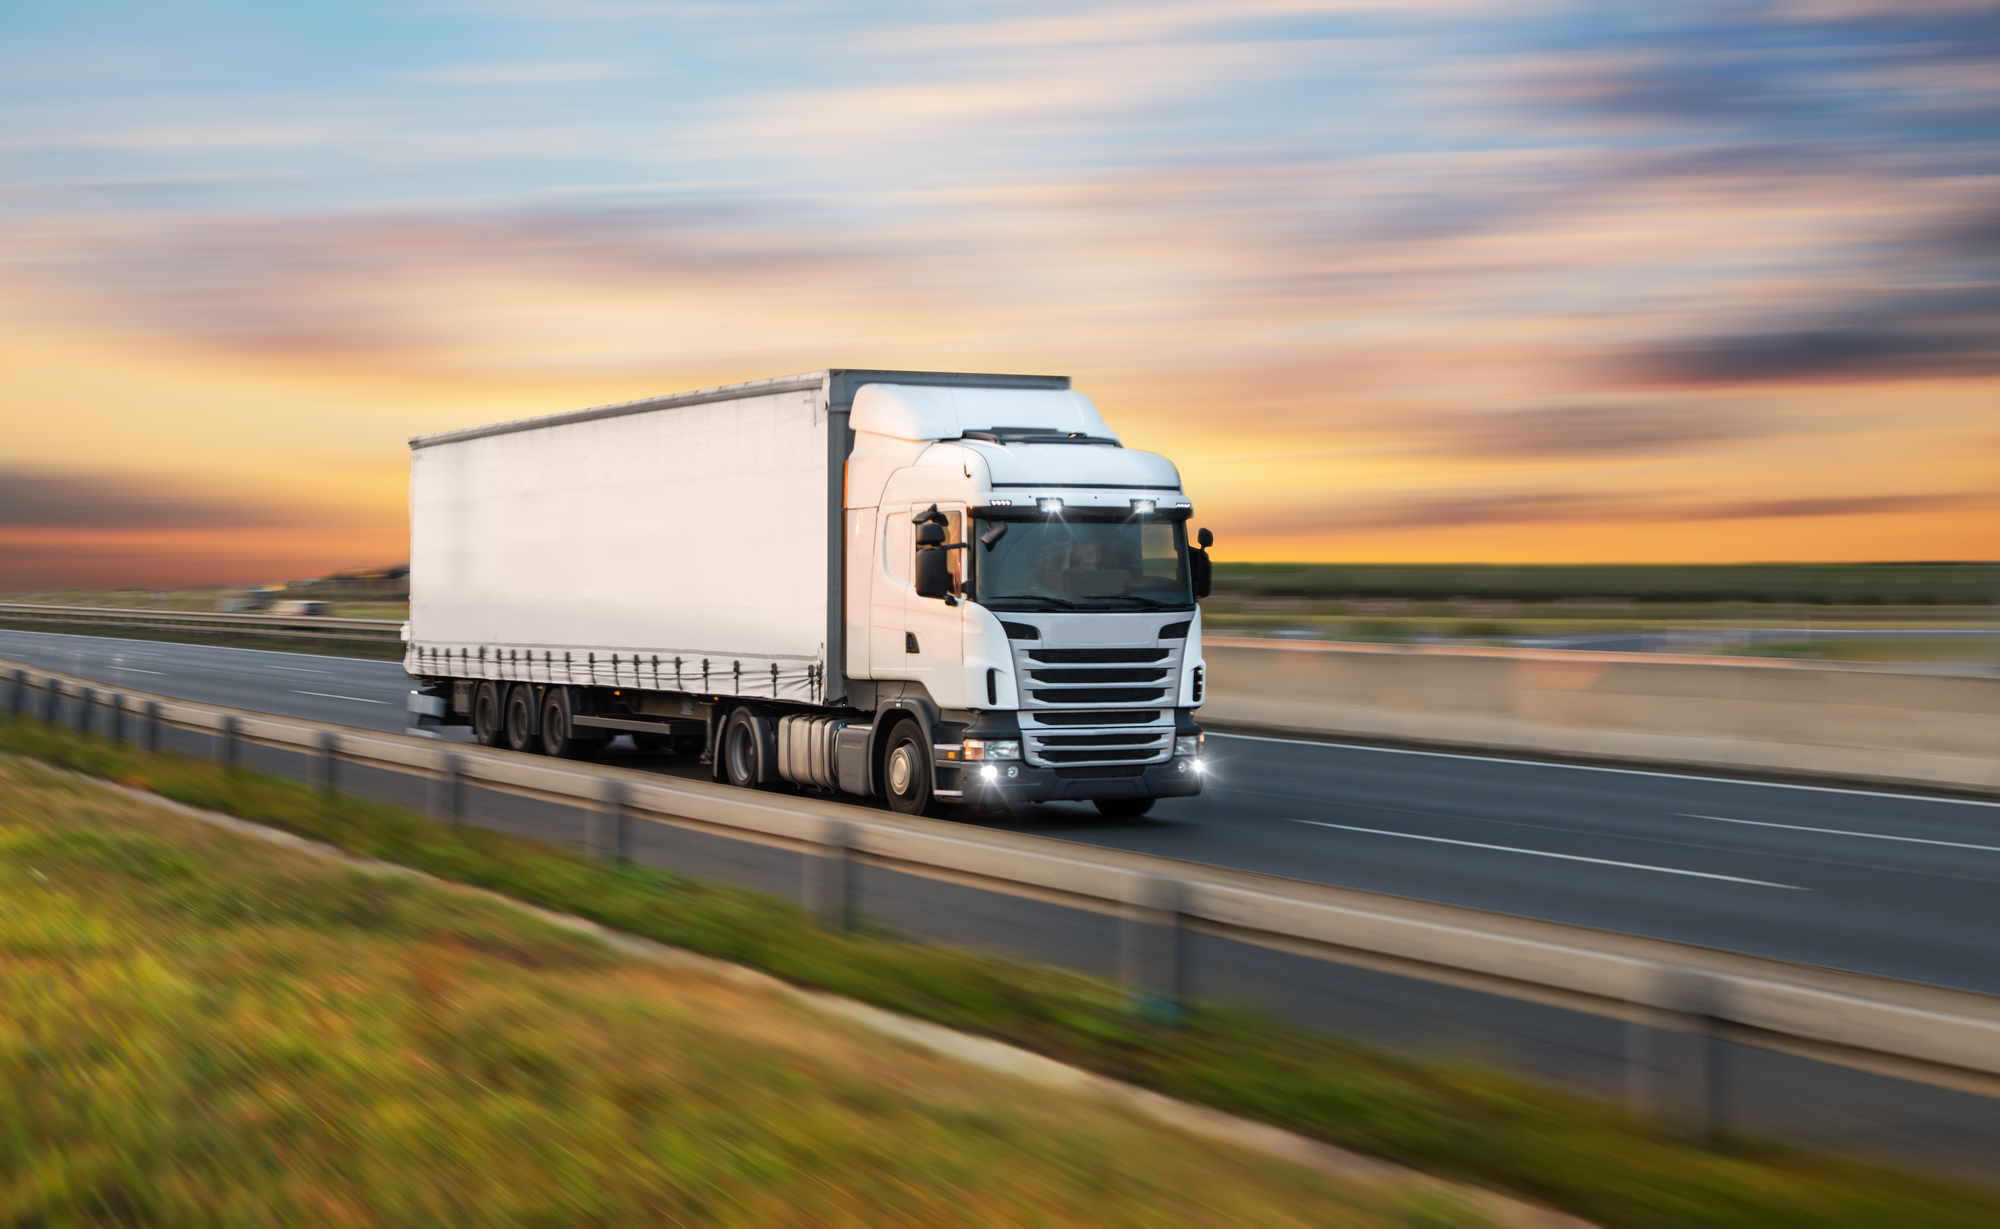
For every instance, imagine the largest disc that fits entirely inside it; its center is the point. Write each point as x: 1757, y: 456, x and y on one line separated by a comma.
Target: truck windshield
x: 1083, y: 564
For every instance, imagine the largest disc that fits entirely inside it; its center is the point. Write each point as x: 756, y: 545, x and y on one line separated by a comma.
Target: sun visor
x: 936, y: 412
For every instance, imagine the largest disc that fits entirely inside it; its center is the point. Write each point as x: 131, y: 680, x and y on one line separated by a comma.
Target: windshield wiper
x: 1039, y: 603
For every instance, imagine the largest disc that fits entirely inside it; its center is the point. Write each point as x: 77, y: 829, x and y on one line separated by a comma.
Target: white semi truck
x: 927, y: 587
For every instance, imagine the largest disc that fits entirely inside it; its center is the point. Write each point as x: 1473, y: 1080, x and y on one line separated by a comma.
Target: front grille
x: 1097, y: 676
x: 1098, y: 747
x: 1101, y: 770
x: 1100, y: 695
x: 1097, y: 755
x: 1129, y: 716
x: 1097, y: 656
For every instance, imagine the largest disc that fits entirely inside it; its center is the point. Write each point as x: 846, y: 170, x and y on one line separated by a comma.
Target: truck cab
x: 1011, y: 563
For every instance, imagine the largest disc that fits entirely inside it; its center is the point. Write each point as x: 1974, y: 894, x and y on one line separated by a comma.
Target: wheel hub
x: 901, y: 771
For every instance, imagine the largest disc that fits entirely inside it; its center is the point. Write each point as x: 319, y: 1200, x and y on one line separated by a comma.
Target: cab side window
x: 954, y: 531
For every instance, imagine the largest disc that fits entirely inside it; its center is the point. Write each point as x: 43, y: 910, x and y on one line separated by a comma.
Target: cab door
x: 891, y: 592
x: 934, y: 643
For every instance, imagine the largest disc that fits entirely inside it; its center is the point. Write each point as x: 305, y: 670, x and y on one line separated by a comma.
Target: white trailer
x: 809, y: 580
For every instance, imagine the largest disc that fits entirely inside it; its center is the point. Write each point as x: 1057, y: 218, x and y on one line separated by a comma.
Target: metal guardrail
x: 291, y: 627
x: 1679, y: 1000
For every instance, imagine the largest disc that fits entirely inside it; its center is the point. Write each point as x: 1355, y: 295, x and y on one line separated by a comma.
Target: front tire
x: 906, y: 771
x: 1123, y: 808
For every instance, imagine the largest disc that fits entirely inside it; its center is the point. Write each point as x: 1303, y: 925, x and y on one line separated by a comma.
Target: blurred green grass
x: 1583, y: 1156
x: 201, y: 1030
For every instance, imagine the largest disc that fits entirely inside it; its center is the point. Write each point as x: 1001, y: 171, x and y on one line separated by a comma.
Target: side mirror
x: 991, y: 538
x: 1200, y: 571
x: 930, y: 534
x: 1204, y: 538
x: 933, y: 571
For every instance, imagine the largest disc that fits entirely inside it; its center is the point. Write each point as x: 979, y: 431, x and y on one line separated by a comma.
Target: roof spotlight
x: 1050, y: 505
x: 1142, y: 506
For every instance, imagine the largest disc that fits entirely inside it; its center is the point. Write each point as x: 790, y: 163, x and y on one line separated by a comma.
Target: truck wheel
x: 559, y: 737
x: 489, y: 727
x: 521, y: 719
x: 906, y: 770
x: 744, y: 743
x: 1123, y: 808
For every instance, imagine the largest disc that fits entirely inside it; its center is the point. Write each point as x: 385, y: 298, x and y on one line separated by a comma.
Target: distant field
x: 1914, y: 585
x: 201, y: 1030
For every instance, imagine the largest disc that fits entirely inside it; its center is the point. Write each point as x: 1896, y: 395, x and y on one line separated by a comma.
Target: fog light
x: 989, y: 773
x: 1012, y: 772
x: 1049, y: 505
x: 1200, y: 767
x: 1180, y: 765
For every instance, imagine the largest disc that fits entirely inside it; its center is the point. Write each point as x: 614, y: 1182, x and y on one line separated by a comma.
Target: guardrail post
x: 229, y: 743
x: 828, y: 890
x: 1673, y: 1058
x: 1149, y: 946
x: 17, y: 702
x: 51, y: 697
x: 150, y: 726
x: 446, y: 793
x: 320, y: 764
x: 86, y: 701
x: 605, y: 824
x: 117, y: 707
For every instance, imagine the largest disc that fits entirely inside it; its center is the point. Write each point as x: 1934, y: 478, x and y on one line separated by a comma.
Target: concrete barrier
x: 1856, y: 721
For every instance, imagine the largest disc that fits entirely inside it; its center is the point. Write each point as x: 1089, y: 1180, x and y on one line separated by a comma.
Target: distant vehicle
x: 297, y: 607
x: 928, y: 587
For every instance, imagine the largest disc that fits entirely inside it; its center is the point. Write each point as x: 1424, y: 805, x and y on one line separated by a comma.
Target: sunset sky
x: 1416, y: 281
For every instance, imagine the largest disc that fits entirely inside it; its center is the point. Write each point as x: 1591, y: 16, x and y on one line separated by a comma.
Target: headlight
x: 992, y: 749
x: 1188, y: 746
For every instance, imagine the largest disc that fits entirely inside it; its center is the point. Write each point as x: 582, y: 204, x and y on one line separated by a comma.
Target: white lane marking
x: 296, y: 670
x: 1636, y: 772
x: 1543, y: 853
x: 330, y: 696
x: 1873, y: 836
x: 137, y: 670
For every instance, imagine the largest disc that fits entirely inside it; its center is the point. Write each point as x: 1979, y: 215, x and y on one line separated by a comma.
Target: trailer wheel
x: 489, y: 727
x: 559, y: 736
x: 906, y: 770
x: 521, y: 719
x: 745, y: 741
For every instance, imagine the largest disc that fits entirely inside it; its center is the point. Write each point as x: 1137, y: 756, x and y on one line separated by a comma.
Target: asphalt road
x: 1875, y: 882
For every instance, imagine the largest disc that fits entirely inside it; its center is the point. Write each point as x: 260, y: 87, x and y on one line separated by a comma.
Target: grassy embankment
x: 202, y: 1030
x: 1478, y: 1126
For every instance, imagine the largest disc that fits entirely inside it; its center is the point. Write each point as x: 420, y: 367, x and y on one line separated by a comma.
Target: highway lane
x: 1802, y: 873
x: 1878, y: 882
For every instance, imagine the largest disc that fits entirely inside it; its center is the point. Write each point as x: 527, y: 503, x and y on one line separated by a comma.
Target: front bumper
x: 1015, y: 781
